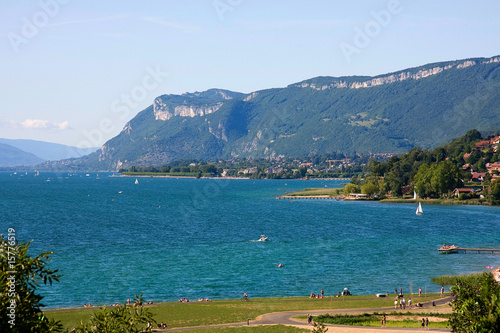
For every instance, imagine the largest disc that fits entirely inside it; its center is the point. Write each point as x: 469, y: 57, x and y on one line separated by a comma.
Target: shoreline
x: 444, y: 202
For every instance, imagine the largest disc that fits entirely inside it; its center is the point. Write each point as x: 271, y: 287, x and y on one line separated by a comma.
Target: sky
x: 74, y: 72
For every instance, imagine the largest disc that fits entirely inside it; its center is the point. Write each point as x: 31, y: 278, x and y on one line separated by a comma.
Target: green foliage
x: 319, y: 328
x: 450, y: 280
x: 437, y: 179
x: 351, y: 188
x: 476, y: 307
x: 369, y: 188
x: 120, y: 319
x: 20, y: 275
x: 494, y: 195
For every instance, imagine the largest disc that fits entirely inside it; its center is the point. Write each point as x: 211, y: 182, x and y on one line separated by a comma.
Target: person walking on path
x: 442, y: 290
x: 419, y: 292
x: 426, y: 324
x: 396, y: 304
x: 309, y: 319
x: 423, y: 324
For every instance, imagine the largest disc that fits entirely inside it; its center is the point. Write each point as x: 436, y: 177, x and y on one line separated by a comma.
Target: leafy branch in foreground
x: 120, y: 319
x: 476, y: 307
x: 20, y: 275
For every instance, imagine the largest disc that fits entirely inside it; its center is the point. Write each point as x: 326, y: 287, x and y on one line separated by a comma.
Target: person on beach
x: 426, y: 324
x: 442, y: 290
x: 423, y: 324
x: 409, y: 303
x: 245, y: 296
x: 419, y: 291
x: 395, y: 304
x: 322, y: 293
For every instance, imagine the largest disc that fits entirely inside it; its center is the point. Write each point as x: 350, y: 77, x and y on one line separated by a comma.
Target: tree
x: 20, y: 275
x: 120, y: 319
x: 369, y: 188
x: 437, y: 179
x: 351, y: 188
x: 494, y: 195
x: 476, y: 307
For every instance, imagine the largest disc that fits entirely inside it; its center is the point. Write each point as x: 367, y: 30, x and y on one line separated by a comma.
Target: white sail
x: 136, y: 181
x: 414, y: 195
x: 419, y: 209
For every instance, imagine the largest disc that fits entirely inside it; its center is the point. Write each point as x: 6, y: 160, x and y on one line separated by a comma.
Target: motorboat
x: 263, y: 238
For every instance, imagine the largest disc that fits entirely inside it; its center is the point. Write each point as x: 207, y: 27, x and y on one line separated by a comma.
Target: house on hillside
x: 466, y: 156
x: 478, y: 177
x: 458, y: 191
x: 495, y: 140
x: 493, y: 167
x: 482, y: 145
x: 466, y: 167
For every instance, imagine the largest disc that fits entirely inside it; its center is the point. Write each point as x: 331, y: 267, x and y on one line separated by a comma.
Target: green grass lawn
x: 394, y: 319
x: 231, y: 311
x: 315, y: 191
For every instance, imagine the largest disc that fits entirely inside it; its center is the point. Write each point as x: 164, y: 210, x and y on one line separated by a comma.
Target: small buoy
x: 159, y: 206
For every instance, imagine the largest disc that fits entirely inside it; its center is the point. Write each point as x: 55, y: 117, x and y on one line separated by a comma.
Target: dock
x: 465, y: 250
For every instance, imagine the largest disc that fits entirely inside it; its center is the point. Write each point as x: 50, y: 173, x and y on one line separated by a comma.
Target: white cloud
x: 40, y: 124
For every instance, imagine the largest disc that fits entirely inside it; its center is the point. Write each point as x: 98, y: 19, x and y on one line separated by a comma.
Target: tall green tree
x: 20, y: 275
x: 476, y: 307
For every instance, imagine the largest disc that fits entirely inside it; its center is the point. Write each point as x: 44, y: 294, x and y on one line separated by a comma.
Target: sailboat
x: 419, y: 209
x: 414, y: 195
x: 136, y: 181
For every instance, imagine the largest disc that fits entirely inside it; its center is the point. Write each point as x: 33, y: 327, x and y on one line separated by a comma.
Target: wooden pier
x: 465, y: 250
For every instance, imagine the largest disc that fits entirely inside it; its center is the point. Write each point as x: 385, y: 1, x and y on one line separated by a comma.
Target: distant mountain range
x: 31, y: 152
x: 424, y: 106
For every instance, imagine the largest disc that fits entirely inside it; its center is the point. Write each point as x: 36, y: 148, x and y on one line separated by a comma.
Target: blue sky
x: 75, y: 71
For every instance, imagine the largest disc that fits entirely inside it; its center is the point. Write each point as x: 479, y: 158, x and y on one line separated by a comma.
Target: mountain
x: 12, y: 156
x: 424, y: 106
x: 48, y: 150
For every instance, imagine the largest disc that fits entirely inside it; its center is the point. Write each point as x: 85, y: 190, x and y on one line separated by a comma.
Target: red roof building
x: 482, y: 144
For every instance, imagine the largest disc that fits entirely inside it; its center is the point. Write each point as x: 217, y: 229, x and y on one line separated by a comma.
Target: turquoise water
x: 172, y: 238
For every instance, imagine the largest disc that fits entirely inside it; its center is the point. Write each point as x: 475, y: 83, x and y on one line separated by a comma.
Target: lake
x: 171, y: 238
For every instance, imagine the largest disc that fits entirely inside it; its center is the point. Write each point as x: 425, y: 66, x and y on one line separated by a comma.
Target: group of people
x: 159, y: 325
x: 402, y: 303
x: 320, y: 295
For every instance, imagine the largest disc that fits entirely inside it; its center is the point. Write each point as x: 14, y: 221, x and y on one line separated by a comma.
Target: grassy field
x: 393, y: 319
x: 232, y: 311
x: 331, y: 192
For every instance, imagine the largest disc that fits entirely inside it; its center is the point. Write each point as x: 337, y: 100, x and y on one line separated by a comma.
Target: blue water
x: 172, y: 238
